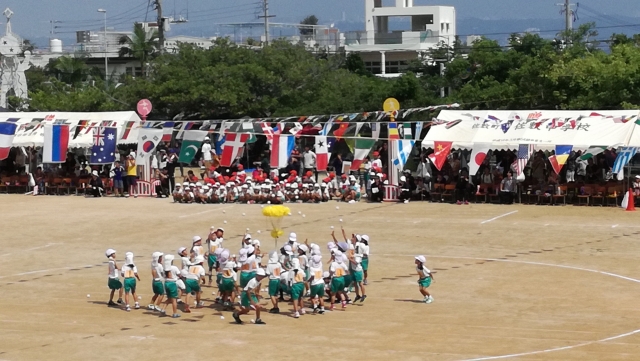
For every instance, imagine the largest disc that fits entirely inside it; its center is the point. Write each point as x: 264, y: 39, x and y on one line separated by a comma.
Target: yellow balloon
x: 275, y: 211
x: 277, y: 233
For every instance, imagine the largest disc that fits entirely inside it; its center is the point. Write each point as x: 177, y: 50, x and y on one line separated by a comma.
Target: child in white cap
x: 249, y: 298
x: 425, y: 278
x: 297, y: 280
x: 357, y: 275
x: 130, y: 274
x: 227, y: 284
x: 157, y: 285
x: 316, y: 282
x: 213, y: 243
x: 114, y: 278
x: 195, y: 275
x: 274, y: 270
x: 338, y: 270
x: 362, y: 248
x: 171, y: 273
x: 177, y: 193
x: 304, y: 264
x: 196, y: 248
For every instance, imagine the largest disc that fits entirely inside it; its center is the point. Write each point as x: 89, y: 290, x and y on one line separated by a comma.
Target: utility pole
x: 266, y: 17
x: 160, y: 22
x: 568, y: 16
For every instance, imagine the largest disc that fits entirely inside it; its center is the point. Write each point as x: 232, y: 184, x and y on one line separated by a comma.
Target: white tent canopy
x: 506, y: 129
x: 30, y: 132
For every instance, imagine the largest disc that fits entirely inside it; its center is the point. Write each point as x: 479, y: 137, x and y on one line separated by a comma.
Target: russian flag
x: 7, y: 132
x: 167, y: 131
x: 281, y: 149
x: 56, y: 143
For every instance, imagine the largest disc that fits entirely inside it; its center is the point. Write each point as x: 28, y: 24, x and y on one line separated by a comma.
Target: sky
x: 32, y: 17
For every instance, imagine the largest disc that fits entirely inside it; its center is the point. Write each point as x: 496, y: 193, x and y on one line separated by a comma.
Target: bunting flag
x: 624, y: 156
x: 393, y: 131
x: 592, y: 151
x: 297, y: 128
x: 322, y: 153
x: 167, y: 131
x: 126, y: 130
x: 491, y: 119
x: 232, y: 148
x: 375, y: 130
x: 90, y: 127
x: 559, y: 159
x: 362, y: 148
x: 104, y: 145
x: 191, y: 142
x: 327, y: 126
x: 183, y: 128
x: 441, y: 151
x: 7, y: 133
x: 268, y: 131
x: 479, y: 153
x: 81, y: 125
x: 148, y: 140
x: 406, y: 131
x: 404, y: 148
x: 419, y: 127
x: 339, y: 133
x: 524, y: 153
x: 281, y: 149
x: 56, y: 143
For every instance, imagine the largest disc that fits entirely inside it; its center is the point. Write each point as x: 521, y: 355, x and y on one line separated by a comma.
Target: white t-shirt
x: 252, y: 285
x: 206, y: 151
x: 198, y: 251
x: 250, y: 265
x: 174, y: 274
x: 274, y: 270
x: 214, y: 244
x: 185, y: 263
x: 296, y: 277
x: 195, y: 272
x: 129, y: 271
x: 159, y: 270
x: 303, y: 262
x: 113, y: 272
x: 309, y: 159
x: 424, y: 272
x: 316, y: 275
x: 362, y: 249
x: 376, y: 163
x: 356, y: 264
x: 338, y: 269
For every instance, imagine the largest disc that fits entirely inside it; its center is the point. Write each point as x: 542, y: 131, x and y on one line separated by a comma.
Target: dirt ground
x: 515, y: 282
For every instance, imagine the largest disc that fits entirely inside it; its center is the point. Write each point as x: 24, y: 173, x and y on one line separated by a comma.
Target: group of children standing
x: 297, y: 269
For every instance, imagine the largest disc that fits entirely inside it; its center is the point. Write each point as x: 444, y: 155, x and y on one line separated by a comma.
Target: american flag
x: 524, y: 153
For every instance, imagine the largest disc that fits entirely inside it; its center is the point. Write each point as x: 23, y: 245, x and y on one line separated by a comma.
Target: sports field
x: 511, y: 282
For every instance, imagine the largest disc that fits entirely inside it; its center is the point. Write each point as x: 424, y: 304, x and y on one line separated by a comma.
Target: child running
x: 316, y: 282
x: 157, y: 286
x: 274, y: 269
x: 249, y: 298
x: 171, y: 273
x: 338, y: 270
x: 425, y: 278
x: 114, y: 278
x: 194, y: 277
x: 130, y: 274
x: 227, y: 284
x: 297, y: 280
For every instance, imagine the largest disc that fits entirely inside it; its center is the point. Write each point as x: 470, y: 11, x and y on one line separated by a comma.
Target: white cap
x: 326, y: 274
x: 192, y: 184
x: 287, y: 249
x: 181, y: 249
x: 316, y: 185
x: 422, y: 259
x: 128, y: 258
x: 379, y: 175
x: 178, y: 185
x: 247, y: 236
x: 365, y: 237
x: 303, y: 248
x: 316, y: 261
x: 95, y: 173
x: 255, y: 243
x: 331, y: 245
x: 244, y: 186
x: 196, y: 239
x: 198, y: 184
x: 110, y: 252
x: 260, y: 272
x: 206, y: 187
x: 186, y: 184
x: 403, y: 179
x: 293, y: 237
x: 198, y: 260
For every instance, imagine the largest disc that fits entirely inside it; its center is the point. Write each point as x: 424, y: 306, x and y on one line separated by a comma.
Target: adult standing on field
x: 132, y: 174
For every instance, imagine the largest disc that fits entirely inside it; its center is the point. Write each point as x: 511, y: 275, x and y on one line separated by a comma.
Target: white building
x: 385, y: 52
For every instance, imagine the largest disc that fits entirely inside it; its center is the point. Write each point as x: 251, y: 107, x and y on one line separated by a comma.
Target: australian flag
x: 104, y: 145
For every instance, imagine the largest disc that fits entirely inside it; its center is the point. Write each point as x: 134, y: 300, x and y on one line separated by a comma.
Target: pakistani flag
x: 592, y: 152
x: 362, y: 148
x: 191, y: 142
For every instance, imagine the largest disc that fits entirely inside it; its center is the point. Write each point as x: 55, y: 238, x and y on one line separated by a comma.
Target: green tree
x: 142, y: 45
x: 70, y: 70
x: 310, y: 21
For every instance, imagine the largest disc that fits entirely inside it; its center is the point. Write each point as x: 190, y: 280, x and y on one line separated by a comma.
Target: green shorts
x: 218, y: 279
x: 191, y: 285
x: 171, y: 289
x: 348, y: 278
x: 129, y: 285
x: 158, y: 288
x: 244, y: 299
x: 297, y: 290
x: 114, y: 284
x: 317, y: 290
x: 365, y: 264
x: 306, y: 274
x: 357, y: 276
x: 212, y: 261
x: 424, y: 282
x: 245, y: 277
x: 227, y: 285
x: 337, y: 285
x: 274, y: 287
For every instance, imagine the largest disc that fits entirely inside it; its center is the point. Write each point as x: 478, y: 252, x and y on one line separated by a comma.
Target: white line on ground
x: 32, y: 249
x: 203, y: 212
x: 541, y: 264
x: 498, y: 217
x: 44, y: 270
x: 614, y: 226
